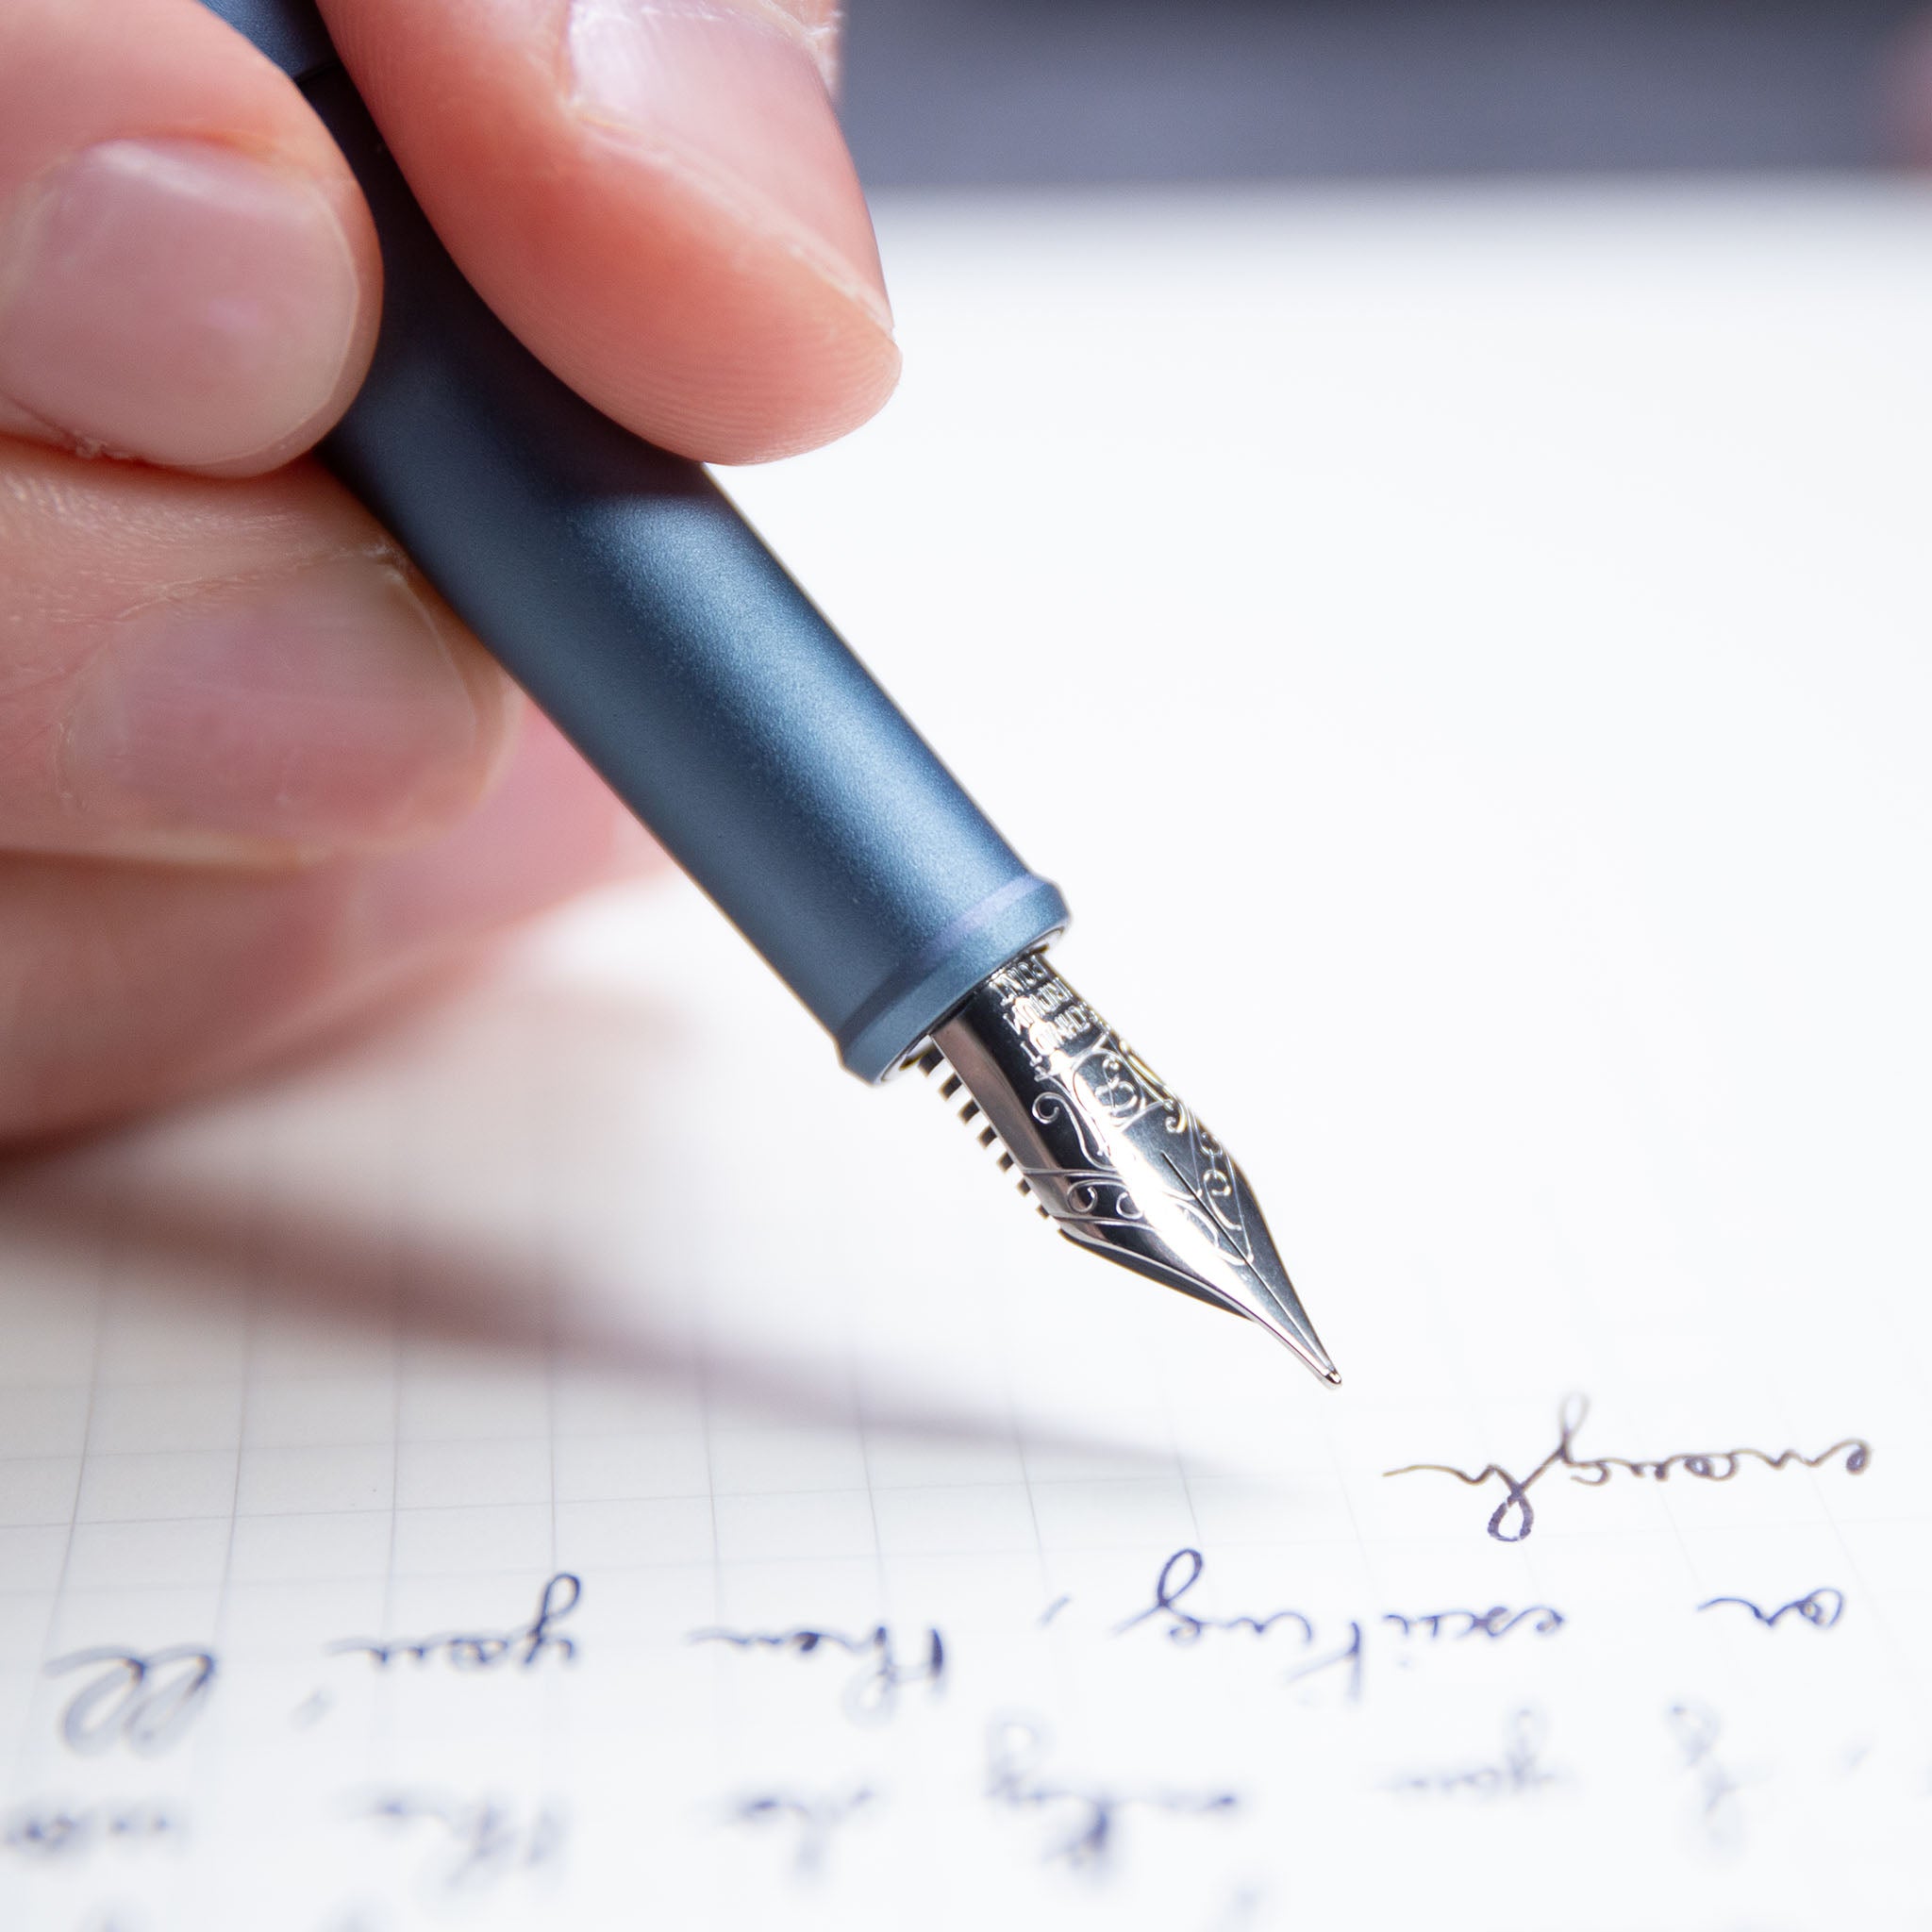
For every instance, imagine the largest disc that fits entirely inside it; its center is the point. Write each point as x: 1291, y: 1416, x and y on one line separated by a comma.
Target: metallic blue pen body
x: 623, y: 592
x: 618, y: 586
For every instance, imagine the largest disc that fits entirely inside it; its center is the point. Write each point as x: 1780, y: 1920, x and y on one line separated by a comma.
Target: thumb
x: 654, y: 193
x: 1907, y: 101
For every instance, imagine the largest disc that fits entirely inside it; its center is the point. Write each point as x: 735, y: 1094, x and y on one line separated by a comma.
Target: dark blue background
x: 1067, y: 90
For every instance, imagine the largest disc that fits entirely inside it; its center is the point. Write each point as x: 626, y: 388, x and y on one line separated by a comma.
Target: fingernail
x: 733, y: 98
x: 175, y: 300
x: 321, y: 711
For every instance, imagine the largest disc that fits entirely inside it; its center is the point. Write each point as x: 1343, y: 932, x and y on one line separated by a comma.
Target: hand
x: 254, y: 775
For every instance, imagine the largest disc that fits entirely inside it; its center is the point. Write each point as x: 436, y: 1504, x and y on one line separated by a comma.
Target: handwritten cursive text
x: 1513, y: 1518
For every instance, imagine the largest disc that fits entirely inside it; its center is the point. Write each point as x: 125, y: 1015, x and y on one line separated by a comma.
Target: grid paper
x: 1508, y: 649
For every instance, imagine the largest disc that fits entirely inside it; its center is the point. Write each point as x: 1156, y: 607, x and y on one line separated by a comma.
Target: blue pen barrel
x: 623, y: 592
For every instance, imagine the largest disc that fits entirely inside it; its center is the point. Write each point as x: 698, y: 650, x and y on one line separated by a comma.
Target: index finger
x: 187, y: 270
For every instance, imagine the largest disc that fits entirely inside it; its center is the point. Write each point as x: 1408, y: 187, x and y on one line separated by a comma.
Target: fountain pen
x: 623, y: 592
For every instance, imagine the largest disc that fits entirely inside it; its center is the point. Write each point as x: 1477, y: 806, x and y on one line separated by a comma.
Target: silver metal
x: 1109, y: 1151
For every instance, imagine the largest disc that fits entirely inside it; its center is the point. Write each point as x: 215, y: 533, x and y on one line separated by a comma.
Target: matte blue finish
x: 641, y: 612
x: 290, y: 32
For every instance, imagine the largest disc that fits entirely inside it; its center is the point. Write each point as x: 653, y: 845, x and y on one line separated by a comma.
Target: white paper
x: 1466, y: 657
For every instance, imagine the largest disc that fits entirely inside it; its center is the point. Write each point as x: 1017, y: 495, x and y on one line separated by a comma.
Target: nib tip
x: 1333, y: 1378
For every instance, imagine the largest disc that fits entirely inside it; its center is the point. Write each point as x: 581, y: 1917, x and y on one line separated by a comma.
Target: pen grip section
x: 624, y: 594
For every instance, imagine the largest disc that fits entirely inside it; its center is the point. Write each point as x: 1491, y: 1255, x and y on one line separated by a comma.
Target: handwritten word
x: 1183, y: 1571
x: 872, y: 1695
x: 486, y: 1650
x: 1697, y: 1729
x: 1497, y: 1621
x: 1178, y: 1576
x: 1513, y: 1518
x: 1821, y: 1609
x: 481, y: 1840
x: 1015, y: 1751
x: 146, y: 1703
x: 1518, y: 1771
x: 55, y: 1832
x: 817, y: 1819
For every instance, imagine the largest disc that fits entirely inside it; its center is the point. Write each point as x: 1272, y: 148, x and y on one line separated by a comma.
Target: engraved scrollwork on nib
x: 1109, y: 1151
x: 1055, y: 1108
x: 1093, y: 1198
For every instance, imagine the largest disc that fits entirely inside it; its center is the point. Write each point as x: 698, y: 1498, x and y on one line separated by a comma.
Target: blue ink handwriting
x: 1821, y: 1609
x: 1518, y: 1771
x: 48, y: 1832
x: 1513, y: 1518
x: 485, y: 1650
x: 480, y: 1840
x: 1697, y: 1729
x: 817, y: 1819
x: 872, y: 1695
x: 1090, y: 1814
x: 144, y: 1702
x: 1183, y: 1571
x: 1178, y: 1576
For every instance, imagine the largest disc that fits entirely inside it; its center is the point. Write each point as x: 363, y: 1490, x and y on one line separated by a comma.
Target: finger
x: 187, y: 270
x: 655, y: 194
x: 244, y: 671
x: 1905, y: 108
x: 126, y: 986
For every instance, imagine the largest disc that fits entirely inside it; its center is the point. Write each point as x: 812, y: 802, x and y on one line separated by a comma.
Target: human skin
x: 255, y: 777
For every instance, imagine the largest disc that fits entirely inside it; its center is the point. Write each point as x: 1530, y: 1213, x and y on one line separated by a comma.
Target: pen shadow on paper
x: 198, y: 1248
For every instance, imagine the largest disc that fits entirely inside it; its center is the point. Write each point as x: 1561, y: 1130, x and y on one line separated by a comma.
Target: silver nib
x: 1109, y: 1151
